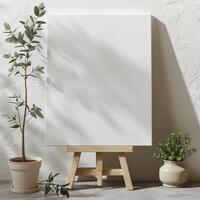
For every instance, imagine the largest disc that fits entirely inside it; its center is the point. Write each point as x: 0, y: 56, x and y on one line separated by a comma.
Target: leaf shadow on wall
x: 172, y: 109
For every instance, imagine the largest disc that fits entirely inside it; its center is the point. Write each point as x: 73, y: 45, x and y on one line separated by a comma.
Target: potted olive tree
x: 25, y: 41
x: 176, y: 149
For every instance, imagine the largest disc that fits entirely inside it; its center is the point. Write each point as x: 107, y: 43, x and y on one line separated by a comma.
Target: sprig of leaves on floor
x: 49, y: 185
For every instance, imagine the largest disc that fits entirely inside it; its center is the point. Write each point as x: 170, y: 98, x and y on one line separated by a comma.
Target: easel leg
x: 73, y: 168
x: 99, y: 167
x: 126, y: 174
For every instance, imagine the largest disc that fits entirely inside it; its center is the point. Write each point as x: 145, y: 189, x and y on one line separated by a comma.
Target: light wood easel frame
x: 121, y: 150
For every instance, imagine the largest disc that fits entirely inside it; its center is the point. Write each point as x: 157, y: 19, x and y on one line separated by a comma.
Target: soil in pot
x: 20, y: 159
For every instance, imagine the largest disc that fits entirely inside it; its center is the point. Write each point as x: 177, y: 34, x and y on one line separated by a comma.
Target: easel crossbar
x: 93, y: 172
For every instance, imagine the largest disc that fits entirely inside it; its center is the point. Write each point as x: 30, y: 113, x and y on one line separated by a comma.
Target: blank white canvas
x: 99, y: 80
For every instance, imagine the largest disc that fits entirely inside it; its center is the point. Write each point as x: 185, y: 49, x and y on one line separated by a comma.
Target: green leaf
x: 34, y: 106
x: 11, y: 70
x: 50, y: 177
x: 6, y: 55
x: 65, y: 185
x: 35, y: 42
x: 20, y: 104
x: 15, y: 30
x: 67, y: 194
x: 38, y: 109
x: 32, y: 19
x: 16, y: 108
x: 29, y: 63
x: 21, y: 54
x: 41, y: 6
x: 7, y: 26
x: 28, y: 34
x: 12, y: 60
x: 12, y: 39
x: 31, y: 48
x: 38, y: 36
x: 18, y: 46
x: 23, y: 50
x: 36, y: 11
x: 47, y: 188
x: 16, y: 55
x: 15, y: 126
x: 56, y: 173
x: 7, y: 32
x: 33, y: 76
x: 39, y: 114
x: 22, y: 22
x: 40, y: 22
x: 64, y: 191
x: 21, y: 38
x: 39, y: 69
x: 42, y: 13
x: 57, y: 189
x: 8, y: 40
x: 33, y: 114
x: 18, y: 64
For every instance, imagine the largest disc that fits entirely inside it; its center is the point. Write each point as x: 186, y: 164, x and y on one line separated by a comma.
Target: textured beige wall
x: 176, y: 81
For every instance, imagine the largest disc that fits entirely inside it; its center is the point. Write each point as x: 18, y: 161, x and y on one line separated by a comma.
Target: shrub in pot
x: 176, y: 149
x: 24, y: 169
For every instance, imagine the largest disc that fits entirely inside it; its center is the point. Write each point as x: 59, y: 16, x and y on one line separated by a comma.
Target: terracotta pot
x: 172, y: 174
x: 24, y: 174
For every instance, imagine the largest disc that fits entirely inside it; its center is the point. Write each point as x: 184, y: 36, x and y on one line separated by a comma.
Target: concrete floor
x: 113, y: 191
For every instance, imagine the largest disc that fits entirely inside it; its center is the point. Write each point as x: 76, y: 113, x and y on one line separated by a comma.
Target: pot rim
x: 171, y: 161
x: 34, y: 158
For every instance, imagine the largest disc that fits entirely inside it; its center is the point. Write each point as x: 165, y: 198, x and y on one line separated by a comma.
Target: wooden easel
x: 99, y: 170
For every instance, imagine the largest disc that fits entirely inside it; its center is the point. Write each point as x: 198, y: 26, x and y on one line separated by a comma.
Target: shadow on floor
x: 81, y: 185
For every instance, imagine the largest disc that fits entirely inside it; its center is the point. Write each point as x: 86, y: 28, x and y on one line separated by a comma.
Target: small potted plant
x: 176, y: 149
x: 25, y: 41
x: 50, y: 186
